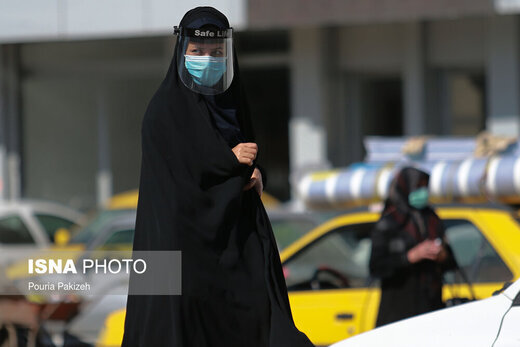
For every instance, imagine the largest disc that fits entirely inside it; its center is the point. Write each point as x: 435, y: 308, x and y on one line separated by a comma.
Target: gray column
x: 308, y: 138
x: 502, y: 76
x: 104, y: 175
x: 3, y: 126
x: 11, y: 120
x: 334, y: 87
x: 353, y: 125
x: 414, y: 76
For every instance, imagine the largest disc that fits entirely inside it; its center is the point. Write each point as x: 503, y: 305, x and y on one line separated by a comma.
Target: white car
x: 26, y: 226
x: 492, y: 322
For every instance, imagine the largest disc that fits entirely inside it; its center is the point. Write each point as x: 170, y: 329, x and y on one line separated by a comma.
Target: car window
x: 52, y: 223
x: 474, y: 254
x: 120, y: 237
x: 289, y: 230
x: 96, y: 225
x: 14, y: 231
x: 339, y: 259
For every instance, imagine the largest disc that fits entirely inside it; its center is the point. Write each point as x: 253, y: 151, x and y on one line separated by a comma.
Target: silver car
x: 26, y: 226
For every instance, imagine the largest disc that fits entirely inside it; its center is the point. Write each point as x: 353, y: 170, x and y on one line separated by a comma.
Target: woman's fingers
x: 257, y: 177
x: 255, y: 183
x: 424, y: 250
x: 248, y: 155
x: 246, y: 152
x: 259, y: 186
x: 250, y: 184
x: 427, y: 250
x: 249, y: 145
x: 245, y: 160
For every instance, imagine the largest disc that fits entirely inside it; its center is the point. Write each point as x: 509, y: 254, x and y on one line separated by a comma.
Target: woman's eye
x: 217, y: 53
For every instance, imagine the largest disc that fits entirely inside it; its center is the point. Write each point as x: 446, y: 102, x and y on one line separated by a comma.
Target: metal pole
x: 104, y: 175
x: 13, y: 117
x: 3, y: 140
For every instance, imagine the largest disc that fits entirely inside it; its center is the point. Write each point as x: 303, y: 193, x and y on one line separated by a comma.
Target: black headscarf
x: 421, y: 224
x: 222, y: 107
x: 191, y: 199
x: 224, y: 114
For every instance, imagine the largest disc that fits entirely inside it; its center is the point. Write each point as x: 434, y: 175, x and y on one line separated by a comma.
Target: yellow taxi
x: 333, y: 297
x: 332, y: 294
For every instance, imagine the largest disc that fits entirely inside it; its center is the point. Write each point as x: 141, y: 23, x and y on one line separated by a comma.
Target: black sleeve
x: 384, y: 261
x: 450, y: 263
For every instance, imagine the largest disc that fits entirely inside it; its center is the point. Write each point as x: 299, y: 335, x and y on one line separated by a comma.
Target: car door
x: 479, y: 262
x: 51, y: 223
x: 509, y: 334
x: 330, y: 291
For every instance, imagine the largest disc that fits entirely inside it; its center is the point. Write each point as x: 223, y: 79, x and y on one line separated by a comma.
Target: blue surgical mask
x: 419, y: 198
x: 205, y: 70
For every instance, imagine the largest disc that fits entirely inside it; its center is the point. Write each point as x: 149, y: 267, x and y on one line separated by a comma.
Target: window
x: 120, y: 237
x: 340, y: 258
x: 52, y: 223
x: 286, y: 231
x: 382, y: 106
x: 14, y: 231
x: 475, y: 256
x: 95, y: 225
x: 337, y: 260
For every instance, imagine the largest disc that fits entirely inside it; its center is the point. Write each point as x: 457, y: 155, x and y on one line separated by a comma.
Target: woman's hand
x: 246, y: 152
x: 428, y: 249
x: 256, y: 182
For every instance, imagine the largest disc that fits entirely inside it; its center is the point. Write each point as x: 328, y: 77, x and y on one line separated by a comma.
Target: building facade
x: 320, y: 76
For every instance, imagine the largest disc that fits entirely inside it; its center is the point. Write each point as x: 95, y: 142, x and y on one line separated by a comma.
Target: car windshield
x: 96, y: 224
x: 289, y: 228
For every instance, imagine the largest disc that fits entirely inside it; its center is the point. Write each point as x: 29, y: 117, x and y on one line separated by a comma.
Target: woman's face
x: 213, y: 49
x: 423, y: 183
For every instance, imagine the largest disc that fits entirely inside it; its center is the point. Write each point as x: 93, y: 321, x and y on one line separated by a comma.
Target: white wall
x: 37, y: 20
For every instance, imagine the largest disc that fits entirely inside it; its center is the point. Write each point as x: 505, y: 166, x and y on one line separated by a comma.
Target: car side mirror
x: 61, y: 237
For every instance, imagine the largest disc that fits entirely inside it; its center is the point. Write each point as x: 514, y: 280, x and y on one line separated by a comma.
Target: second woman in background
x: 409, y: 250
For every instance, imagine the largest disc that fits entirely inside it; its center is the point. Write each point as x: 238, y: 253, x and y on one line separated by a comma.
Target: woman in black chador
x: 409, y: 250
x: 199, y: 193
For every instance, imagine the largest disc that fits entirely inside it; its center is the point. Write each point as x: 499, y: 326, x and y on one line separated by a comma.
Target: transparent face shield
x: 205, y: 59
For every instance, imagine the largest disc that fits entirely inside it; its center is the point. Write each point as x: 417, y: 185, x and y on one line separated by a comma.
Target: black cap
x: 202, y: 16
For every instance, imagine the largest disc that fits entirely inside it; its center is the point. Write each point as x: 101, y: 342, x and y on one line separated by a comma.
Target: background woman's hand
x: 428, y: 249
x: 246, y: 152
x: 256, y: 182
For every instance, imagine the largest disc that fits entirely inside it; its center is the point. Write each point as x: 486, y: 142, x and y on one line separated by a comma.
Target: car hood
x: 472, y: 324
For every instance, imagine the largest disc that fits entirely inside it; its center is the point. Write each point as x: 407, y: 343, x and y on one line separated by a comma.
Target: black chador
x: 191, y: 199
